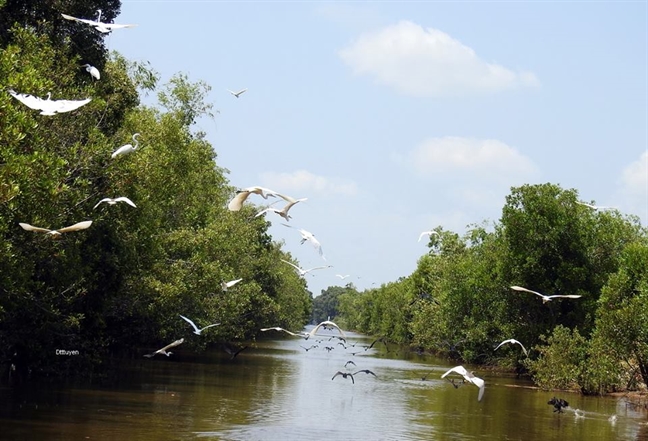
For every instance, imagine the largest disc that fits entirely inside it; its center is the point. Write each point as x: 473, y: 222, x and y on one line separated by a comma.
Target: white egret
x: 343, y: 277
x: 284, y: 211
x: 308, y: 236
x: 595, y: 207
x: 104, y: 28
x: 469, y: 377
x: 127, y: 148
x: 55, y: 233
x: 428, y: 233
x: 163, y: 351
x: 277, y: 328
x: 94, y: 72
x: 48, y: 106
x: 112, y: 201
x: 325, y: 323
x: 237, y: 94
x: 303, y: 272
x: 237, y: 202
x: 226, y: 285
x: 196, y: 330
x: 513, y: 341
x: 546, y: 298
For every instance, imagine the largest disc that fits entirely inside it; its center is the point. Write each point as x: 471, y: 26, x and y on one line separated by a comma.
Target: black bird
x: 558, y: 404
x: 344, y: 375
x: 234, y: 352
x: 308, y: 349
x: 329, y: 348
x: 376, y: 341
x: 348, y: 363
x: 366, y: 371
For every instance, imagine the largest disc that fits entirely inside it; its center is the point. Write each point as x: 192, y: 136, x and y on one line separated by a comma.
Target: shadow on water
x: 277, y: 390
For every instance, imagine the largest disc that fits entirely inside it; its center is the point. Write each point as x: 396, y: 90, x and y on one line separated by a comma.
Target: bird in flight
x: 303, y: 272
x: 595, y: 207
x: 558, y: 404
x: 349, y: 362
x: 233, y: 352
x: 366, y: 371
x: 308, y: 236
x: 47, y: 106
x: 237, y: 201
x: 284, y: 211
x: 196, y: 330
x: 513, y: 341
x: 163, y: 351
x: 546, y: 298
x: 104, y: 28
x: 237, y: 94
x: 112, y: 201
x: 127, y: 148
x: 342, y: 277
x: 469, y: 377
x: 226, y: 285
x: 93, y: 71
x: 427, y: 233
x: 55, y: 233
x: 344, y: 375
x: 326, y: 323
x: 277, y: 328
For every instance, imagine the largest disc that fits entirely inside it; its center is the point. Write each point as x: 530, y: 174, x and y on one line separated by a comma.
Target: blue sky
x: 394, y: 118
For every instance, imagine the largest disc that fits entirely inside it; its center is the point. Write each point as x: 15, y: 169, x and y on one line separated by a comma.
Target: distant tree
x: 327, y: 303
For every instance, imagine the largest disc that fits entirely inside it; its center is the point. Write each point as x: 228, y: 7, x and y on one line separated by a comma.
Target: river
x: 277, y: 390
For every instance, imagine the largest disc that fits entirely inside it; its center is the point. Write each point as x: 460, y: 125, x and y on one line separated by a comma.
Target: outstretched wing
x: 78, y: 226
x: 190, y: 322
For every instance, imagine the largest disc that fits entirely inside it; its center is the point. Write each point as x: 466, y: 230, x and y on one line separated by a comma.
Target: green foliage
x: 326, y: 304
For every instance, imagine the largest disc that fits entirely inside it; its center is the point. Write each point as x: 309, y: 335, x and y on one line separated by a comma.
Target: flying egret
x: 55, y: 233
x: 102, y: 27
x: 325, y: 323
x: 47, y: 106
x: 226, y: 285
x: 342, y: 277
x: 196, y: 330
x: 428, y: 233
x: 284, y: 211
x: 310, y: 237
x: 303, y: 272
x: 164, y: 349
x: 127, y: 148
x: 595, y: 207
x: 277, y: 328
x: 112, y: 201
x: 237, y: 201
x: 94, y: 72
x: 470, y: 377
x: 237, y: 94
x: 546, y: 298
x: 513, y: 341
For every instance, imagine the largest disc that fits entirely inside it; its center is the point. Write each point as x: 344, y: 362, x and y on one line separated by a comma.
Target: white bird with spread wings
x: 48, y: 106
x: 102, y: 27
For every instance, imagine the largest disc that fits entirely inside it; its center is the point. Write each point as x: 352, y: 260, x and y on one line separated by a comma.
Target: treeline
x: 118, y: 287
x: 458, y: 302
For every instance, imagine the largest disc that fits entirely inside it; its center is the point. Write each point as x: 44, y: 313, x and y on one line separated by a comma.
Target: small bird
x: 48, y: 106
x: 237, y: 201
x: 595, y: 207
x: 308, y: 349
x: 558, y: 404
x: 164, y: 349
x: 127, y: 148
x: 310, y: 237
x: 348, y: 363
x: 376, y: 341
x: 427, y: 233
x: 104, y: 28
x: 196, y: 330
x: 344, y: 375
x: 342, y: 277
x: 366, y: 371
x: 284, y: 211
x: 546, y: 298
x: 325, y: 323
x: 513, y: 341
x: 277, y: 328
x: 112, y: 201
x: 56, y: 233
x: 470, y: 377
x: 303, y: 272
x: 237, y: 94
x: 226, y: 285
x: 93, y: 71
x: 233, y: 352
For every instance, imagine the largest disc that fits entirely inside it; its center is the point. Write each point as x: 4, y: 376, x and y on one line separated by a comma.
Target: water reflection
x: 278, y: 390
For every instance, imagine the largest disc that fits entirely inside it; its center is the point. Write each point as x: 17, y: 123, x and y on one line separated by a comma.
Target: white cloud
x: 307, y: 182
x: 428, y: 62
x: 453, y: 155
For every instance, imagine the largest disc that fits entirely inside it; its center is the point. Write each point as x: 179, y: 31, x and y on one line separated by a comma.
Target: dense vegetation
x: 458, y: 302
x: 116, y: 289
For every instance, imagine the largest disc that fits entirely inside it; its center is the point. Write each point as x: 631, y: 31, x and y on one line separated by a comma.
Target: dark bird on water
x: 558, y: 404
x: 366, y: 371
x: 234, y: 352
x: 344, y: 375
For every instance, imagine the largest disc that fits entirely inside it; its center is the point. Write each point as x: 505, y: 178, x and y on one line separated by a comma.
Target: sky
x: 394, y: 118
